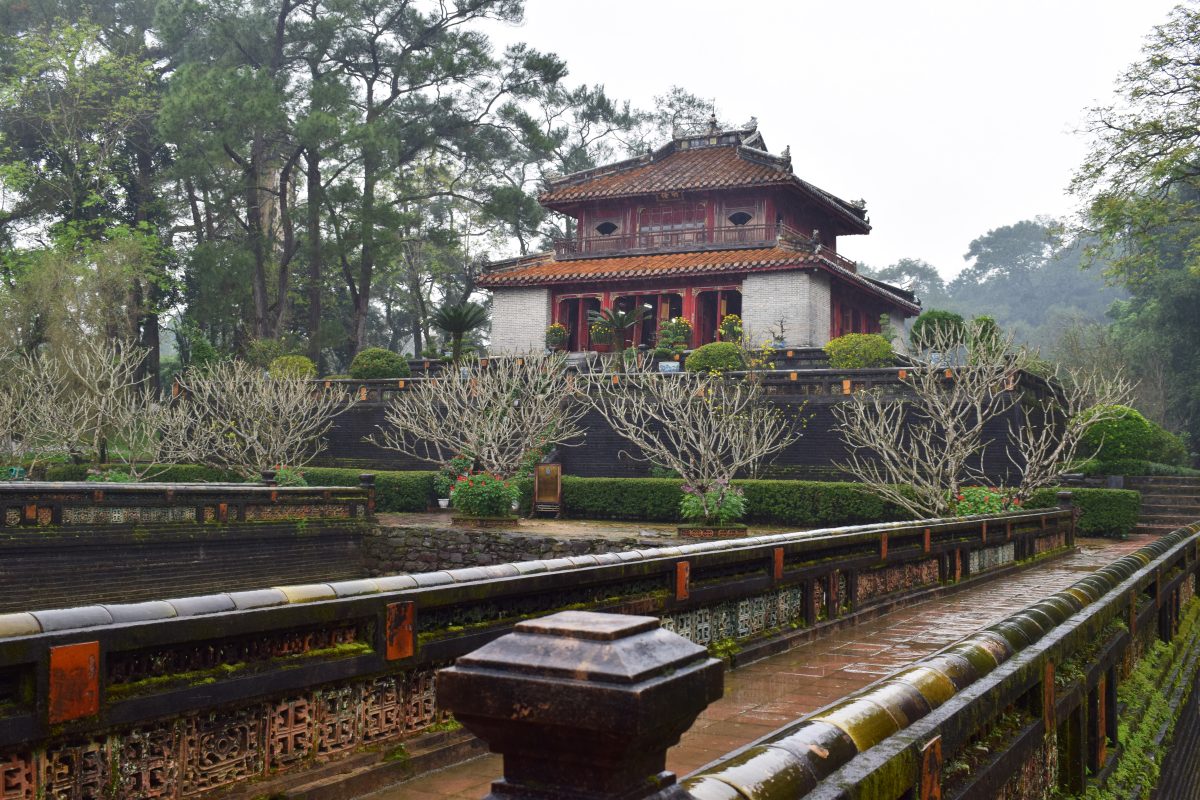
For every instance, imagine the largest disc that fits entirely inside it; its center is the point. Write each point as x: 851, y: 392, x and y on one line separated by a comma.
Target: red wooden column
x: 689, y: 313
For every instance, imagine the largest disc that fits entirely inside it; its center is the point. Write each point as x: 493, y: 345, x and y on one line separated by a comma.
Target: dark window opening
x: 606, y: 228
x: 740, y: 218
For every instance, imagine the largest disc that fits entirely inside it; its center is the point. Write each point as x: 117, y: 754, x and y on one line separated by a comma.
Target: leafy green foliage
x: 934, y: 320
x: 1131, y: 436
x: 1102, y: 512
x: 290, y: 476
x: 674, y: 337
x: 293, y: 367
x: 394, y: 491
x: 800, y: 503
x: 377, y: 363
x: 719, y: 505
x: 972, y: 500
x: 480, y: 494
x: 450, y: 472
x: 730, y: 329
x: 715, y: 357
x: 613, y: 325
x: 859, y: 351
x: 457, y: 321
x: 1133, y: 467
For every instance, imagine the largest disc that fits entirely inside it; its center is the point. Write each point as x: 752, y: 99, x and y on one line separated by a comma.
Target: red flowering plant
x: 972, y: 500
x: 481, y: 494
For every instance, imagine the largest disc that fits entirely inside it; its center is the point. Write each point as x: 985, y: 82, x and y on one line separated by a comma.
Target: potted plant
x: 480, y: 499
x: 443, y: 482
x: 556, y: 336
x: 712, y: 512
x: 600, y: 332
x: 730, y: 329
x: 673, y: 339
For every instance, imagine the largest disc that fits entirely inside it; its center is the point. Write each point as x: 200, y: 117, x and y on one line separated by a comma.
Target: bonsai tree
x: 674, y: 337
x: 943, y: 328
x: 456, y: 321
x: 619, y: 322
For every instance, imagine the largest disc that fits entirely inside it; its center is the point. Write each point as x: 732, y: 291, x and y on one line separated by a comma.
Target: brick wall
x: 65, y: 567
x: 798, y: 298
x: 519, y: 320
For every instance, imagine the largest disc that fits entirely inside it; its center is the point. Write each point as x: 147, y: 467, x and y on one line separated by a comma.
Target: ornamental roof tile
x: 725, y: 160
x: 544, y: 270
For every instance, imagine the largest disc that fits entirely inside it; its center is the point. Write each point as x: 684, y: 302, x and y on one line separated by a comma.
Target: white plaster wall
x: 801, y: 300
x: 519, y: 320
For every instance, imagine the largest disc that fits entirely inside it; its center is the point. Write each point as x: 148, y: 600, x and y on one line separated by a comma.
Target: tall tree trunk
x: 258, y: 245
x: 149, y: 297
x: 315, y: 267
x: 366, y: 265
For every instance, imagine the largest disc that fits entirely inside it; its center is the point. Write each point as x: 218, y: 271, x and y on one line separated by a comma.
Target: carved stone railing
x: 193, y: 694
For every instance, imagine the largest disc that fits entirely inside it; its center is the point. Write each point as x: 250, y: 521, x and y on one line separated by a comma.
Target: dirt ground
x: 568, y: 528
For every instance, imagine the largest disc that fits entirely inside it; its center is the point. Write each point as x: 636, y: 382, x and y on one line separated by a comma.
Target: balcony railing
x: 691, y: 238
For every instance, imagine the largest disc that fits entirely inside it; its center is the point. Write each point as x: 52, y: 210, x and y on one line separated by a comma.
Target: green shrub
x: 715, y: 357
x: 859, y: 351
x: 806, y: 504
x: 934, y: 321
x: 1130, y: 466
x: 674, y: 337
x: 730, y: 329
x: 481, y: 494
x: 293, y: 367
x: 263, y: 352
x: 1102, y: 512
x: 395, y: 491
x: 375, y: 362
x: 1131, y: 436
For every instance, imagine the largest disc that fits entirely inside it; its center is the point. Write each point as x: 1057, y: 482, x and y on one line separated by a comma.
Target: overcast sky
x: 950, y: 118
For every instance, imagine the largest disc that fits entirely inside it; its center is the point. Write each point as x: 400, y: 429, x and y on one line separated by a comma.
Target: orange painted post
x: 1048, y: 698
x: 931, y: 769
x: 927, y: 536
x: 401, y: 627
x: 74, y: 682
x: 846, y: 387
x: 883, y: 543
x: 777, y: 571
x: 985, y: 533
x: 683, y: 577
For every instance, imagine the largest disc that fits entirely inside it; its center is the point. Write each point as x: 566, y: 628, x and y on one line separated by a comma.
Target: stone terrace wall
x: 62, y: 567
x: 414, y: 548
x: 811, y: 394
x: 72, y: 544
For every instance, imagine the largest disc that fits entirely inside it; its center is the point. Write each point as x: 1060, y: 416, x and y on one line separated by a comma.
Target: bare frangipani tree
x: 234, y: 416
x: 916, y: 448
x: 28, y: 402
x: 496, y: 413
x: 1045, y: 437
x: 708, y: 428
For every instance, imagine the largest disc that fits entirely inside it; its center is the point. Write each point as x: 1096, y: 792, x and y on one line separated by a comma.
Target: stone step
x: 1154, y: 529
x: 1163, y: 481
x: 1178, y: 510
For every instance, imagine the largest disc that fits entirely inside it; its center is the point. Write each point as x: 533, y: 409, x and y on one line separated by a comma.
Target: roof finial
x: 712, y: 120
x: 786, y: 155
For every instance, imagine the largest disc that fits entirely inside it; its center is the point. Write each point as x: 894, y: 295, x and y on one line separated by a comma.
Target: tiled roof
x: 696, y: 164
x: 544, y: 270
x: 703, y: 168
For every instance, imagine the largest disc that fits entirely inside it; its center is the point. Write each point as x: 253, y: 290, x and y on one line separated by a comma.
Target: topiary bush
x: 715, y: 357
x: 1102, y: 512
x: 293, y: 367
x: 933, y: 321
x: 375, y: 362
x: 1130, y: 436
x: 859, y: 351
x: 395, y: 491
x: 480, y: 494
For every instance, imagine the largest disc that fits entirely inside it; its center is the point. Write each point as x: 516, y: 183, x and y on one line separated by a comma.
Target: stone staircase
x: 1167, y: 503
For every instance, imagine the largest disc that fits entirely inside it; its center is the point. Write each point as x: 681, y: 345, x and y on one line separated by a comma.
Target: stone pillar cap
x: 603, y: 648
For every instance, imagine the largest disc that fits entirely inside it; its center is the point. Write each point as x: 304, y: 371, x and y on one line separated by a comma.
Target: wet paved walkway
x: 767, y: 694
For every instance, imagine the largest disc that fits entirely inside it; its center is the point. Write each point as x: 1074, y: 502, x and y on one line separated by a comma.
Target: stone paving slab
x: 768, y: 694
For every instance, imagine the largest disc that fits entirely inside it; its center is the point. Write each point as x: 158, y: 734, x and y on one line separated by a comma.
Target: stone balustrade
x: 199, y: 693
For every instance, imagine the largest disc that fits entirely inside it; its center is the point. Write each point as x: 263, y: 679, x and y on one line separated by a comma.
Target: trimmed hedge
x: 394, y: 491
x: 802, y: 503
x: 1134, y: 467
x: 1102, y: 512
